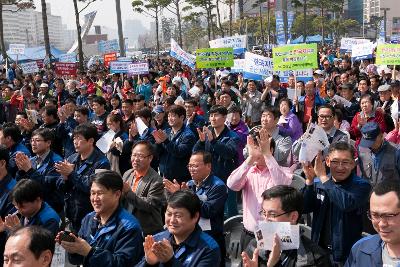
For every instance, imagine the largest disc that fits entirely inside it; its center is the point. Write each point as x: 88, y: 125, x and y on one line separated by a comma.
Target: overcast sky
x: 106, y: 15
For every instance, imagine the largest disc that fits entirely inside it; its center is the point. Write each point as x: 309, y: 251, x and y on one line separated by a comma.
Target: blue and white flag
x: 280, y: 28
x: 290, y: 18
x: 184, y: 57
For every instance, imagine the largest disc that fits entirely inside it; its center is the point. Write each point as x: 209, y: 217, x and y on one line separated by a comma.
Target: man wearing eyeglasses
x: 143, y: 189
x: 336, y: 200
x: 41, y: 168
x: 283, y: 203
x: 326, y: 119
x: 382, y: 249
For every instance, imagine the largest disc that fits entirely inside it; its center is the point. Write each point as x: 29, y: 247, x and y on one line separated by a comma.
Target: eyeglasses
x: 337, y: 163
x: 378, y: 217
x: 139, y: 156
x: 192, y: 166
x: 272, y: 215
x: 36, y: 140
x: 326, y: 117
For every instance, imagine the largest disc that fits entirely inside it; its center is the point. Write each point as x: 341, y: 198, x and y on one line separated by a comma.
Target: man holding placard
x: 283, y: 204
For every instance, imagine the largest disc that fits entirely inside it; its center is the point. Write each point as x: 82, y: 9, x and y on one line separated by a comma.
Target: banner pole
x: 295, y: 91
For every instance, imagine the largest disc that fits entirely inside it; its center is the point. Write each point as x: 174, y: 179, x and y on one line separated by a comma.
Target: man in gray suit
x: 144, y: 190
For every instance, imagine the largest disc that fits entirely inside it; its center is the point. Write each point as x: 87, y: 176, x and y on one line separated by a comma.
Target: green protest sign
x: 295, y: 57
x: 214, y: 57
x: 388, y: 54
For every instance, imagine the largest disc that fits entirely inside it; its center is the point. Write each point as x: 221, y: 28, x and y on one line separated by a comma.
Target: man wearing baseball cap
x: 378, y: 158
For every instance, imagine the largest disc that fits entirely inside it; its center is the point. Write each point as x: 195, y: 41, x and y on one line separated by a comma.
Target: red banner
x: 63, y: 68
x: 40, y: 63
x: 108, y: 58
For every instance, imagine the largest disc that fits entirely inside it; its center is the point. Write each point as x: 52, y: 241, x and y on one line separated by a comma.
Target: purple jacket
x: 242, y: 131
x: 292, y: 128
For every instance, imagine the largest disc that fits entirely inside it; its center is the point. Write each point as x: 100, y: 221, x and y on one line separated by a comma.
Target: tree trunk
x: 268, y: 23
x: 46, y: 30
x: 178, y: 18
x: 261, y: 26
x: 120, y: 33
x: 323, y: 26
x: 157, y: 41
x: 305, y: 21
x: 79, y: 31
x: 219, y: 19
x: 2, y: 43
x: 208, y: 23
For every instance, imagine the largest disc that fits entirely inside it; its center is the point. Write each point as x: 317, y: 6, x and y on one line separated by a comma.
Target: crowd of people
x: 190, y: 149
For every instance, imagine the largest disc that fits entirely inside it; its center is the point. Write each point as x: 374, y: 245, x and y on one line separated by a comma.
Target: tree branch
x: 171, y: 10
x: 91, y: 1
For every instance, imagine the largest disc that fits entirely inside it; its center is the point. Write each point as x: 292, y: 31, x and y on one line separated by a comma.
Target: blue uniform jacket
x: 64, y: 132
x: 198, y: 250
x: 346, y: 201
x: 367, y: 252
x: 175, y: 153
x: 17, y: 148
x: 213, y: 194
x: 6, y: 206
x: 224, y: 152
x: 77, y: 186
x: 49, y: 178
x: 198, y: 122
x: 118, y: 243
x: 46, y: 218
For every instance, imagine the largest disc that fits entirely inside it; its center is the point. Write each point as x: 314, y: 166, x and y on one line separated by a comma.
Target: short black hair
x: 111, y: 180
x: 328, y: 107
x: 178, y: 110
x: 149, y: 146
x: 191, y: 101
x: 128, y: 101
x: 52, y: 100
x: 342, y: 146
x: 11, y: 129
x: 46, y: 133
x: 291, y: 198
x: 41, y: 239
x: 387, y: 185
x: 218, y: 109
x: 207, y: 157
x: 22, y: 113
x: 185, y: 199
x: 83, y: 110
x: 4, y: 154
x: 143, y: 112
x: 99, y: 100
x: 51, y: 111
x: 26, y: 190
x: 87, y: 130
x: 273, y: 110
x: 235, y: 109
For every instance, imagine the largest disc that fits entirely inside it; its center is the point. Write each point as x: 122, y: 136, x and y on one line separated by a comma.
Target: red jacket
x: 355, y: 132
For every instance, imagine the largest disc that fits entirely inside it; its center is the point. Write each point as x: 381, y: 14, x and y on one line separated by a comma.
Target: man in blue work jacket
x: 175, y: 146
x: 212, y: 193
x: 183, y: 243
x: 77, y: 171
x: 41, y: 168
x: 7, y: 183
x: 382, y: 249
x: 336, y: 200
x: 27, y: 197
x: 110, y: 235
